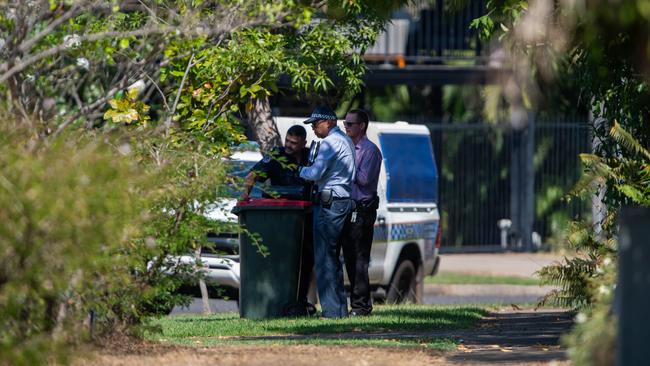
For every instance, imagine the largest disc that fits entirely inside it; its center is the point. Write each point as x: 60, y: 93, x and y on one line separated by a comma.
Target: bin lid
x: 273, y: 202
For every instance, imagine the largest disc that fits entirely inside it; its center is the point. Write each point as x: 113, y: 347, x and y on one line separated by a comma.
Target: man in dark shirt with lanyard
x: 281, y: 165
x: 281, y: 168
x: 358, y: 232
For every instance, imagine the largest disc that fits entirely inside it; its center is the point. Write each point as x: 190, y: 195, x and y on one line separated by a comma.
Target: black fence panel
x: 475, y: 163
x: 557, y: 169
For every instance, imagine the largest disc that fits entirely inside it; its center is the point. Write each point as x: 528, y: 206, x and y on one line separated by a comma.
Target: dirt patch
x: 279, y: 355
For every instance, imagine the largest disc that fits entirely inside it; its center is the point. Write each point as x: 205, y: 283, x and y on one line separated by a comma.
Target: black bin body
x: 269, y: 283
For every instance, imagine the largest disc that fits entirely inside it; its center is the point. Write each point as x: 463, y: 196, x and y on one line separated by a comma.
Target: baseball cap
x: 320, y: 113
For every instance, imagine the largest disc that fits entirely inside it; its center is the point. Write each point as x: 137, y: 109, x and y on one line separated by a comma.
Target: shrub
x: 68, y: 213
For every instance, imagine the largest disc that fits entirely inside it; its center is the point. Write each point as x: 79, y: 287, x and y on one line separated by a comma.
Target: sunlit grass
x: 389, y: 326
x: 451, y: 278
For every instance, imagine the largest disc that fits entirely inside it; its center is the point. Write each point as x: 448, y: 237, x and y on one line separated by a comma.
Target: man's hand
x: 248, y: 186
x: 244, y: 196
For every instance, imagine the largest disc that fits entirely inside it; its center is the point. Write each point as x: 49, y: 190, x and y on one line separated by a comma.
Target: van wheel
x: 403, y: 286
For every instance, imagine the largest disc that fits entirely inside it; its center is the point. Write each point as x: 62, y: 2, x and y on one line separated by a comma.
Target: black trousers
x: 356, y: 242
x: 307, y: 258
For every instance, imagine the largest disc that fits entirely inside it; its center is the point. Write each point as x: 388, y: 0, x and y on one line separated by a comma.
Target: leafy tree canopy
x: 198, y: 63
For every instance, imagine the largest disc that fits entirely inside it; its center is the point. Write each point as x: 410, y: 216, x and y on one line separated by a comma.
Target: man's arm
x: 249, y: 182
x: 260, y: 171
x: 318, y: 168
x: 369, y: 166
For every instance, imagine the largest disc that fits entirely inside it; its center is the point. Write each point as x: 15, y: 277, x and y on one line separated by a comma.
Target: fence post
x: 515, y: 188
x: 528, y: 179
x: 522, y: 185
x: 632, y: 296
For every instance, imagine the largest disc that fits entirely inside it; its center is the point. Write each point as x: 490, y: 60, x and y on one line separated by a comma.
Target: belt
x: 333, y: 200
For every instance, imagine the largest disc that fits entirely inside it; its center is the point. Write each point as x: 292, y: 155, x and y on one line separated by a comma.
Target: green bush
x: 86, y: 233
x: 68, y: 212
x: 593, y: 340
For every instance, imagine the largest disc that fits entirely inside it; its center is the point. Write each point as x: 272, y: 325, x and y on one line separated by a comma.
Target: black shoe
x: 311, y: 309
x: 299, y: 308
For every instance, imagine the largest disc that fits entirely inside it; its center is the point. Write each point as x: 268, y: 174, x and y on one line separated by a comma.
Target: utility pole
x: 632, y: 295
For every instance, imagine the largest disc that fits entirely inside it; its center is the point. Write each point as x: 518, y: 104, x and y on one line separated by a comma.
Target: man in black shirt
x: 280, y: 166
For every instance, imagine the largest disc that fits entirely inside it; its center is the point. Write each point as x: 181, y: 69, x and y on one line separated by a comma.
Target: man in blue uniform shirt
x: 333, y: 172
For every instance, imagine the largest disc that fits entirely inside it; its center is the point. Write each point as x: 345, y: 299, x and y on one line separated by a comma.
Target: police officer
x: 333, y: 173
x: 281, y: 168
x: 358, y: 232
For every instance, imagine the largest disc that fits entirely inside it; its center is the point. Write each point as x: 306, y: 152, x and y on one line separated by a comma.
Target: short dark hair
x: 362, y: 116
x: 298, y: 131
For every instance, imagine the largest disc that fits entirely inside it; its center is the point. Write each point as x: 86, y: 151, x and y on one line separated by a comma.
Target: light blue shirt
x: 334, y: 166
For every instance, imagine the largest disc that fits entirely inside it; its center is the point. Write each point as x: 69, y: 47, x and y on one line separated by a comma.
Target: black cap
x: 321, y: 113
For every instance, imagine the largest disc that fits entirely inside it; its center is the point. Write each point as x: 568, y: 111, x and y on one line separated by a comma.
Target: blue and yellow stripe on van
x: 407, y: 231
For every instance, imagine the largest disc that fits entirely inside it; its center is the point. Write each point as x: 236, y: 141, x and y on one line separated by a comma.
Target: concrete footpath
x: 510, y: 335
x: 497, y: 264
x: 522, y: 265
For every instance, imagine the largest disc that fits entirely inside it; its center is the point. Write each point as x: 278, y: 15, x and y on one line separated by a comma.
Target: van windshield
x: 411, y: 171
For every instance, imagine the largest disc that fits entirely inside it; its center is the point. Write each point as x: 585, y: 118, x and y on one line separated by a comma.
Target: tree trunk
x: 598, y: 207
x: 205, y: 298
x: 265, y: 132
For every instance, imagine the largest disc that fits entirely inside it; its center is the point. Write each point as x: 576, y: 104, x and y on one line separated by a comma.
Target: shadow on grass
x: 384, y: 320
x: 394, y: 319
x: 194, y: 319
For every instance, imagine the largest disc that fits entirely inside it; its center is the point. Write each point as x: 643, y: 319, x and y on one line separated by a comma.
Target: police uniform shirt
x: 334, y: 167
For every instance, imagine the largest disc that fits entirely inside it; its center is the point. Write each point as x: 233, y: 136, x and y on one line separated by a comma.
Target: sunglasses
x: 350, y: 124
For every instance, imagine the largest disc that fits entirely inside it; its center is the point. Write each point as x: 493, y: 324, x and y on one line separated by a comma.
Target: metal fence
x: 485, y: 171
x: 430, y: 32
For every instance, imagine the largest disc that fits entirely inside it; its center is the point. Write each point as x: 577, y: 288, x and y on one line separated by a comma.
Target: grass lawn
x: 382, y: 329
x: 450, y: 278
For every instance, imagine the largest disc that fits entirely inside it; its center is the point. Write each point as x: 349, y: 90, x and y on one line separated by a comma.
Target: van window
x: 410, y: 168
x: 239, y: 169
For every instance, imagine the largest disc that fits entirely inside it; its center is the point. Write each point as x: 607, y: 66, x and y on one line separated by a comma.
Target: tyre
x: 403, y: 286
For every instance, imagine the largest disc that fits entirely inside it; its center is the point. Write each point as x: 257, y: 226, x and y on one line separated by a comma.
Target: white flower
x: 84, y: 180
x: 138, y: 85
x: 83, y: 63
x: 581, y: 318
x: 124, y: 149
x: 604, y: 290
x: 607, y: 261
x: 71, y: 41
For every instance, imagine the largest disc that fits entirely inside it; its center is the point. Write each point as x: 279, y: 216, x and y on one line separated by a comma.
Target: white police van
x: 407, y: 230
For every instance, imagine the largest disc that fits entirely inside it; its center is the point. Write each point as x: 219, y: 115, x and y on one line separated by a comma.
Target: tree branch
x: 28, y: 44
x: 168, y: 122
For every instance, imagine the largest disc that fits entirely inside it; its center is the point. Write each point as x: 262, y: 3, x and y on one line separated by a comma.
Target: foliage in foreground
x: 89, y: 231
x: 588, y: 280
x: 69, y: 207
x: 88, y: 227
x: 598, y: 47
